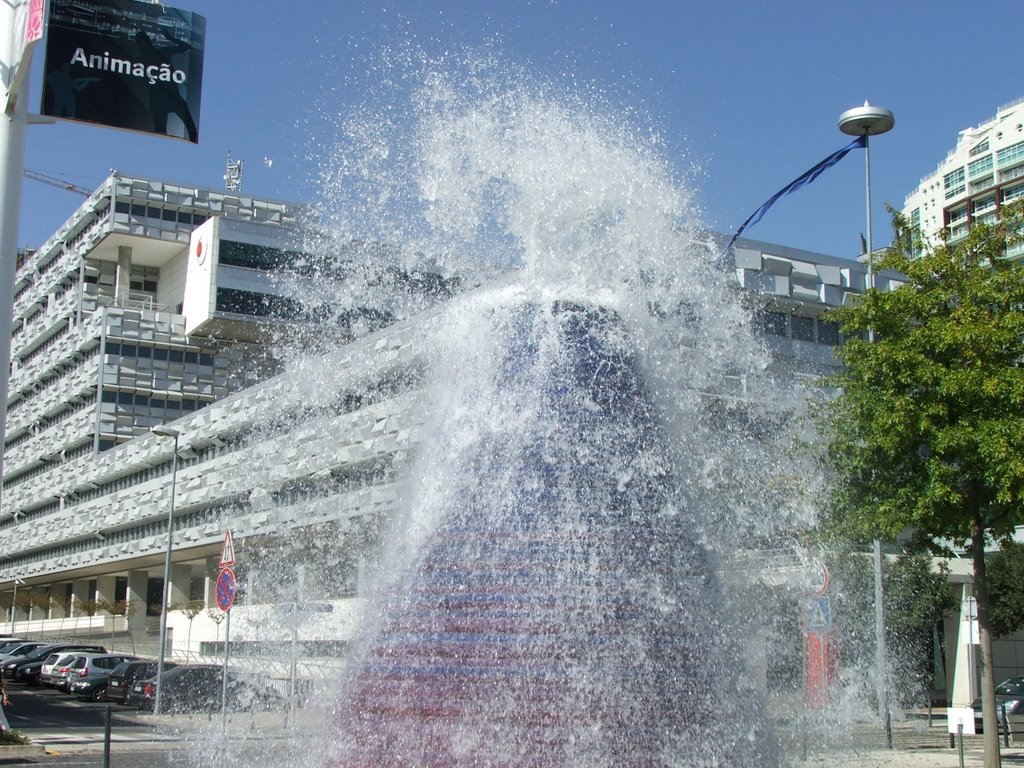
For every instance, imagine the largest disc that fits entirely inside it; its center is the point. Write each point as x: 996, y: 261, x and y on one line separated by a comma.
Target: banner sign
x: 125, y: 64
x: 26, y: 32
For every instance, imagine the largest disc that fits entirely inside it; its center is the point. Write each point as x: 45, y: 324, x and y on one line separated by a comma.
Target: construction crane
x: 55, y: 182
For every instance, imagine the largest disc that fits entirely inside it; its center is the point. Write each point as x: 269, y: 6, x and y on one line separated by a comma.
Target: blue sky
x: 744, y: 95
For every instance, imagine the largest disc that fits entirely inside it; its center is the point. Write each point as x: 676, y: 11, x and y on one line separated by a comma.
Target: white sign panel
x: 200, y: 274
x: 960, y: 716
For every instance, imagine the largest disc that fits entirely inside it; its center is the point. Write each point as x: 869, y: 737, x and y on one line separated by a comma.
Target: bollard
x: 1006, y: 725
x: 106, y: 739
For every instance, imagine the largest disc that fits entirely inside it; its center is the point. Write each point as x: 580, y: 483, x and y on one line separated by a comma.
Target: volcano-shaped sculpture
x: 547, y: 604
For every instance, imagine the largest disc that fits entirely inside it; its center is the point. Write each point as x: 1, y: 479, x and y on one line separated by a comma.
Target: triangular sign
x: 227, y: 552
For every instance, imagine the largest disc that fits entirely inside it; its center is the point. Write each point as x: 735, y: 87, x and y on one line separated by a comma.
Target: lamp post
x: 162, y: 431
x: 14, y: 601
x: 868, y: 121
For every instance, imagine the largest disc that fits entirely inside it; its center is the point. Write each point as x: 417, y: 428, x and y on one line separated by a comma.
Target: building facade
x: 156, y: 305
x: 981, y: 174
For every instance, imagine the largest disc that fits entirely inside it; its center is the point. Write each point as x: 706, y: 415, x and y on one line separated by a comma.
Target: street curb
x: 21, y: 750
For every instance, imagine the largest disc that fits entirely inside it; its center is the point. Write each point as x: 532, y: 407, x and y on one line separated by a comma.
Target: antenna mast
x: 233, y: 174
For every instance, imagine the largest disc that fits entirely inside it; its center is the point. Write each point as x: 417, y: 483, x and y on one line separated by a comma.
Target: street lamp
x: 868, y: 121
x: 14, y: 601
x: 162, y: 431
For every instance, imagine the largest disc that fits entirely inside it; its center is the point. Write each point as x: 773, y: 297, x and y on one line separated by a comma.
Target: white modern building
x: 153, y: 302
x: 982, y: 173
x: 156, y: 304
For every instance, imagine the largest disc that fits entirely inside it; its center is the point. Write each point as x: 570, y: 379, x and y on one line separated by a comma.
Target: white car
x: 53, y: 662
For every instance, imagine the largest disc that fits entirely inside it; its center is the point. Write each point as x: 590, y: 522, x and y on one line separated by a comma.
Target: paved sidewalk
x: 915, y: 743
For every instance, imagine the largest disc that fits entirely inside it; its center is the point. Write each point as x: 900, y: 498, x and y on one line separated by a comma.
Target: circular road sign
x: 226, y: 586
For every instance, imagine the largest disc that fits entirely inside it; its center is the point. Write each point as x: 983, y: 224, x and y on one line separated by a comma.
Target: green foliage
x: 115, y: 607
x: 1005, y: 570
x: 87, y: 606
x: 191, y: 608
x: 916, y: 599
x: 927, y: 432
x: 12, y: 738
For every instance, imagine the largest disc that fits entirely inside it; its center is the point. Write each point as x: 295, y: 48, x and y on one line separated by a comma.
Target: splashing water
x: 546, y: 597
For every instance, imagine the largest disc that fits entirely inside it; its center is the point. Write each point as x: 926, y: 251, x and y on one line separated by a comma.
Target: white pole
x: 158, y: 695
x: 12, y: 166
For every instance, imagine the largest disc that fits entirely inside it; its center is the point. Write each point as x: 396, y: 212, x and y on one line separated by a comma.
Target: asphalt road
x: 73, y: 734
x: 47, y: 709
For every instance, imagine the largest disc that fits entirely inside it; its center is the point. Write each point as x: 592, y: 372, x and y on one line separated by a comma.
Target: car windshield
x: 1014, y: 687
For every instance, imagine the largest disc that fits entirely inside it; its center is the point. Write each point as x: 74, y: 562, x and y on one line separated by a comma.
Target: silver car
x: 52, y: 663
x: 85, y: 664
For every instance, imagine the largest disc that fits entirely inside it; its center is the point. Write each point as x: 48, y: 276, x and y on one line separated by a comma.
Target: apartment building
x: 982, y: 173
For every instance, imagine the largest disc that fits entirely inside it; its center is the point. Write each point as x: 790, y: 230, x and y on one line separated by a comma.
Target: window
x: 775, y: 323
x: 1013, y: 193
x: 1011, y: 155
x: 980, y: 167
x: 957, y: 215
x: 803, y: 328
x: 977, y: 149
x: 954, y: 183
x: 982, y: 204
x: 828, y: 333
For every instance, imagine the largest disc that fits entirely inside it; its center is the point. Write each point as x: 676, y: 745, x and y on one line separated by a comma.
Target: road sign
x: 818, y: 578
x: 226, y: 588
x: 819, y: 615
x: 227, y: 552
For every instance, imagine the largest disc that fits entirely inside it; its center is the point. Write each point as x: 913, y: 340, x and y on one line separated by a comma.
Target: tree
x: 191, y: 609
x: 927, y: 430
x: 1005, y: 577
x: 917, y: 598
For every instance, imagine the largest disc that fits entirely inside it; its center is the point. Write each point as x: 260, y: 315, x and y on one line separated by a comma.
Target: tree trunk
x: 988, y: 683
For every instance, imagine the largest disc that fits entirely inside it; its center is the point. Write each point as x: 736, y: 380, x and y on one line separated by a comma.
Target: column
x: 122, y: 279
x: 138, y: 583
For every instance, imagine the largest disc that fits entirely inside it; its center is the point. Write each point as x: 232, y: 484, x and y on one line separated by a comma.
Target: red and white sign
x: 227, y: 552
x: 227, y: 586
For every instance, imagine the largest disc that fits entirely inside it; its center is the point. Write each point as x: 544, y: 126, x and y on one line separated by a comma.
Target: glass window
x: 828, y: 333
x: 954, y: 182
x: 985, y: 203
x: 774, y: 323
x: 980, y: 167
x: 1013, y: 193
x: 1011, y: 155
x: 803, y: 328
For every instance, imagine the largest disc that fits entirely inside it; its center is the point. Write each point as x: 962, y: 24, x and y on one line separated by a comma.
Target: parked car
x: 20, y: 649
x: 10, y: 667
x: 53, y: 662
x: 10, y: 643
x: 85, y: 664
x: 1009, y: 702
x: 124, y: 675
x: 31, y: 673
x: 199, y: 688
x: 92, y: 687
